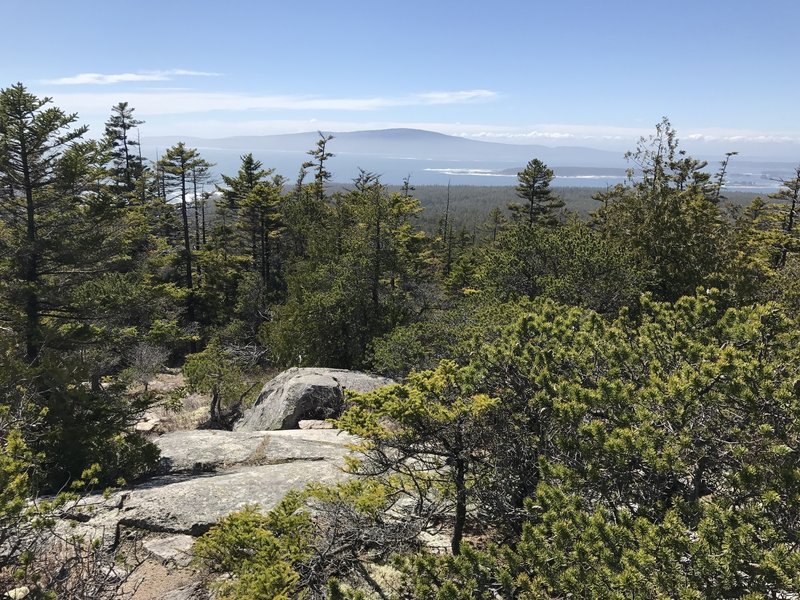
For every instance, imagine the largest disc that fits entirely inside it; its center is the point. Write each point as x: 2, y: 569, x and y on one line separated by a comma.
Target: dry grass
x: 188, y: 412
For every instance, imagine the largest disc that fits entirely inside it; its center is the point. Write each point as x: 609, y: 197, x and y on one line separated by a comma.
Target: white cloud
x: 744, y: 136
x: 180, y: 111
x: 141, y: 76
x: 587, y: 134
x: 173, y: 102
x: 457, y: 97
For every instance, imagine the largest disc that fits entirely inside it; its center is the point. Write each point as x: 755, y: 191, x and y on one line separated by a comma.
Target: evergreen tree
x: 243, y: 261
x: 495, y: 223
x: 201, y: 174
x: 788, y: 196
x: 34, y: 139
x: 64, y: 236
x: 307, y: 207
x: 573, y: 264
x: 426, y: 431
x: 669, y: 216
x: 255, y: 197
x: 541, y: 203
x: 357, y: 280
x: 177, y: 165
x: 128, y: 165
x: 320, y: 156
x: 251, y: 172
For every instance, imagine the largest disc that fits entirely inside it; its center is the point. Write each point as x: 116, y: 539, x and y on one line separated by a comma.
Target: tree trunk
x: 265, y: 253
x: 214, y: 412
x: 461, y: 505
x: 196, y: 219
x: 203, y: 220
x: 187, y: 246
x: 376, y: 274
x: 790, y: 218
x: 31, y: 274
x: 128, y: 178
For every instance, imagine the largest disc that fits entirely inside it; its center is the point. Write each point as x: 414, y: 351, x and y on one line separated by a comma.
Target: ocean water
x: 392, y: 170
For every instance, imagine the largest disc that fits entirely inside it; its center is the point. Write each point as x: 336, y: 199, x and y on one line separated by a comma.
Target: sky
x: 595, y: 73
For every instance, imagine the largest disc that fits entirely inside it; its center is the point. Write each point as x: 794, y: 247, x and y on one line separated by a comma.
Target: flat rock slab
x: 210, y: 474
x: 314, y: 424
x: 193, y: 505
x: 208, y: 450
x: 187, y: 592
x: 205, y: 450
x: 176, y: 549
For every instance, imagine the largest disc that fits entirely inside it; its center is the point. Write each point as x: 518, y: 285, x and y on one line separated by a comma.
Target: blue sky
x: 568, y: 72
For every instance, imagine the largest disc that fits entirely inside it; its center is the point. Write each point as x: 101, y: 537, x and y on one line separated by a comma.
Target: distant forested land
x: 471, y: 203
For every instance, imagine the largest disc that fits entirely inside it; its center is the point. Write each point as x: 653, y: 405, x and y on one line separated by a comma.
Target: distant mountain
x: 414, y: 144
x: 431, y: 158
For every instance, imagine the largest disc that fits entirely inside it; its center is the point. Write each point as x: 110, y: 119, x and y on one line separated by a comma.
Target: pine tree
x: 178, y: 164
x: 34, y: 139
x: 128, y: 165
x: 357, y: 279
x: 540, y: 202
x: 668, y: 213
x: 254, y: 197
x: 65, y: 239
x: 306, y: 208
x: 320, y: 156
x: 789, y: 196
x: 250, y: 173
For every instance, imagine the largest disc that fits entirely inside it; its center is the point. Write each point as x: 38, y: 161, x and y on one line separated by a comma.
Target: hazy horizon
x: 434, y: 159
x: 576, y: 73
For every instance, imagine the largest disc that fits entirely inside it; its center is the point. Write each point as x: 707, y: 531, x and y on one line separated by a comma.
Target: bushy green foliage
x: 16, y: 461
x: 572, y: 264
x: 658, y: 449
x: 566, y: 550
x: 456, y: 331
x: 81, y: 427
x: 717, y: 552
x: 426, y: 432
x: 669, y: 217
x: 71, y: 242
x: 681, y: 401
x: 765, y: 249
x: 472, y: 575
x: 260, y: 551
x: 311, y: 538
x: 214, y: 372
x: 362, y: 267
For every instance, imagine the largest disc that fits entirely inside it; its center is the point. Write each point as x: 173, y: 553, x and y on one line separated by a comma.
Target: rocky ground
x: 204, y: 475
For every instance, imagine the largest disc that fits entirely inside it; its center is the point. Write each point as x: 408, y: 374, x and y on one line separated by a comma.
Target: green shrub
x: 259, y: 550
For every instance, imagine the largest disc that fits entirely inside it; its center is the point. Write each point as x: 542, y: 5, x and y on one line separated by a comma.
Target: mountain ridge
x: 431, y: 157
x: 398, y: 143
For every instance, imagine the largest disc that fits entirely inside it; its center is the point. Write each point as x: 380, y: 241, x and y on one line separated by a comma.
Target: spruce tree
x: 534, y: 187
x: 65, y: 241
x: 34, y: 139
x: 178, y: 164
x: 128, y: 165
